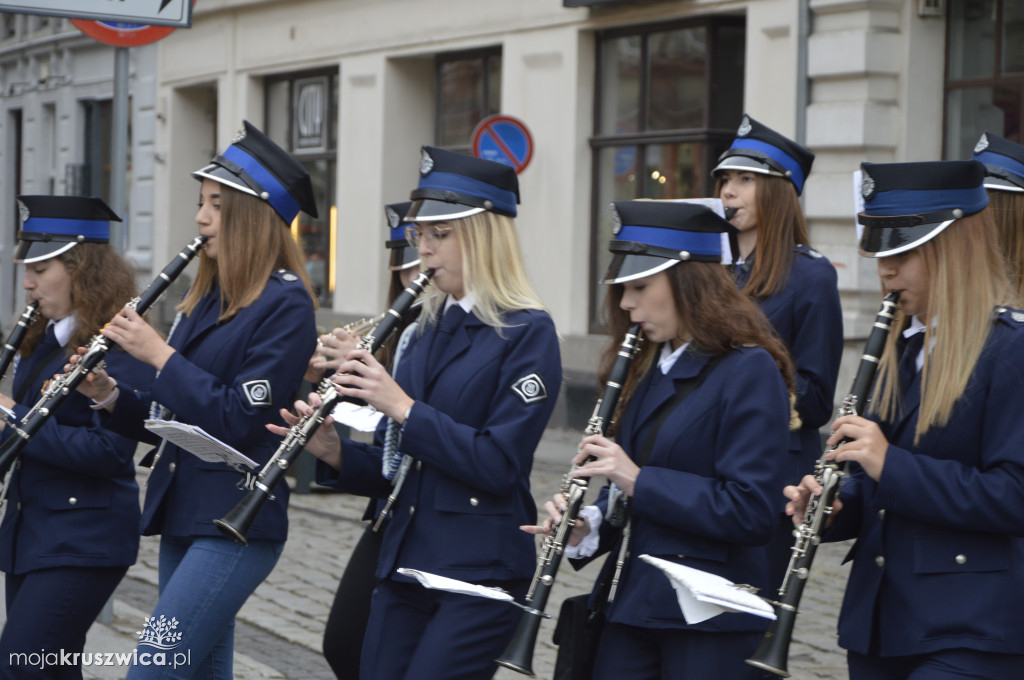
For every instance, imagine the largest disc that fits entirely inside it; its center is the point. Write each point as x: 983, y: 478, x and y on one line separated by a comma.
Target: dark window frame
x: 329, y: 154
x: 997, y: 79
x: 484, y: 54
x: 708, y: 134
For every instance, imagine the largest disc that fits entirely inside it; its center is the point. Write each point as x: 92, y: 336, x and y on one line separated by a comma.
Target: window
x: 302, y: 116
x: 984, y: 73
x: 94, y: 174
x: 468, y: 90
x: 669, y: 98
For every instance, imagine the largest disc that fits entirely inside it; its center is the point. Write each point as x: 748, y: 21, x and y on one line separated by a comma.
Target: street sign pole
x: 119, y: 150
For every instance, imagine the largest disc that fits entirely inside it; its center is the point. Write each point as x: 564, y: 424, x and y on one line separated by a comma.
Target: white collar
x: 467, y: 302
x: 915, y: 327
x: 64, y: 329
x: 669, y: 356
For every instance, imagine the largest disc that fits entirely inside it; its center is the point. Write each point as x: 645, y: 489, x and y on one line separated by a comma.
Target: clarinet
x: 16, y: 337
x: 236, y: 524
x: 63, y: 386
x: 519, y: 654
x: 773, y: 653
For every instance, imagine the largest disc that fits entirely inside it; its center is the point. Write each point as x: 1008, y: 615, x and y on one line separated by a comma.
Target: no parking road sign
x: 503, y: 139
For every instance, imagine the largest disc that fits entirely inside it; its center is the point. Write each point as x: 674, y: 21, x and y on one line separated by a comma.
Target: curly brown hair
x: 102, y: 283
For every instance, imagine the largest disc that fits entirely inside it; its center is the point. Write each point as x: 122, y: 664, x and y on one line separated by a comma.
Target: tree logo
x: 160, y: 633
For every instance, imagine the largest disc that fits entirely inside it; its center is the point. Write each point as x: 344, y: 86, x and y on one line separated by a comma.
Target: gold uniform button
x: 961, y: 559
x: 474, y: 502
x: 880, y: 561
x: 72, y: 501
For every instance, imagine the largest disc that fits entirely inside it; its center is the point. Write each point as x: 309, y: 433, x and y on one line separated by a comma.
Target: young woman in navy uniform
x: 703, y: 497
x: 472, y: 395
x: 1004, y: 180
x: 937, y: 501
x: 236, y: 355
x: 761, y: 177
x: 346, y: 622
x: 70, y: 530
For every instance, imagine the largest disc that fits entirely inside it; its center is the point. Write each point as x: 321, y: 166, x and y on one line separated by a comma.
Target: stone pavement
x: 279, y: 630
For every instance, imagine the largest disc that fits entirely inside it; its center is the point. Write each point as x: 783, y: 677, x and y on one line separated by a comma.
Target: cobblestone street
x: 279, y: 629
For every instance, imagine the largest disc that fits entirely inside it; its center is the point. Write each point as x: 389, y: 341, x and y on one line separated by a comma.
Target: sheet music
x: 197, y: 442
x: 362, y: 418
x: 435, y: 582
x: 8, y: 414
x: 702, y: 595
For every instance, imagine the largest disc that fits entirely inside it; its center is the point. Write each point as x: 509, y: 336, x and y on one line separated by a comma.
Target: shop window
x: 984, y: 73
x: 669, y: 99
x: 302, y: 116
x: 468, y: 90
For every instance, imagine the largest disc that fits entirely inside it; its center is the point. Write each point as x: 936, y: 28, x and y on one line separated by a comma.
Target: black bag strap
x: 670, y: 406
x: 36, y: 370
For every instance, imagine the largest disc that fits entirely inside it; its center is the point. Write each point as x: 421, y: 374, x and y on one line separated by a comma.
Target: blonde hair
x: 966, y: 280
x: 253, y: 242
x: 1008, y: 214
x: 492, y: 268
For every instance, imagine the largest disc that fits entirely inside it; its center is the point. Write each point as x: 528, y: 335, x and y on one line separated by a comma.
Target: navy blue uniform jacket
x: 473, y: 438
x: 707, y: 496
x: 807, y: 316
x: 230, y: 379
x: 940, y: 538
x: 73, y: 500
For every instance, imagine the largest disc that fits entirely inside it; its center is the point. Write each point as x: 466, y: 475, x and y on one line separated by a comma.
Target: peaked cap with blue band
x: 454, y: 185
x: 255, y: 165
x: 403, y: 255
x: 1004, y: 162
x: 651, y: 236
x: 51, y: 225
x: 759, y: 149
x: 907, y: 204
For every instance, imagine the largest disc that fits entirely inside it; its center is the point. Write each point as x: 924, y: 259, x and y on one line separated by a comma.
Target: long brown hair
x: 719, y: 317
x: 102, y: 283
x: 780, y: 226
x: 1008, y: 212
x: 253, y: 242
x: 966, y: 280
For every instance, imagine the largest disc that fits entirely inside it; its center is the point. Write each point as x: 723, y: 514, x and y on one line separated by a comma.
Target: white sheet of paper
x: 362, y: 418
x: 197, y: 442
x: 8, y: 414
x: 435, y: 582
x: 702, y: 595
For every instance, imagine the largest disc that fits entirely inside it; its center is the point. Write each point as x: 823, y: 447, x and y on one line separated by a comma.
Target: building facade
x: 624, y: 99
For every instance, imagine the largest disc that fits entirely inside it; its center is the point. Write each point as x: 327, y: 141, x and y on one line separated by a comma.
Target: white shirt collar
x: 467, y: 302
x: 915, y: 327
x: 64, y: 329
x: 669, y: 356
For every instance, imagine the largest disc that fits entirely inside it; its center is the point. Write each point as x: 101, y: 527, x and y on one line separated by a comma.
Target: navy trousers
x: 50, y: 611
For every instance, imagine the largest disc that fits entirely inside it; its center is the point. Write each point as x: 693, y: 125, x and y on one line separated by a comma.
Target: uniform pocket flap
x: 956, y: 552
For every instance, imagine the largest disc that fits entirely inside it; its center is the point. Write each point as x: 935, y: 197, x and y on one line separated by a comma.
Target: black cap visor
x: 37, y: 251
x: 629, y: 267
x: 402, y: 257
x: 885, y: 241
x: 430, y: 210
x: 236, y: 179
x: 757, y: 163
x: 1000, y: 184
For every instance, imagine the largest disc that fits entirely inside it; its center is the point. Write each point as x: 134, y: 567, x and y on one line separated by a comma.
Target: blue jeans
x: 204, y: 581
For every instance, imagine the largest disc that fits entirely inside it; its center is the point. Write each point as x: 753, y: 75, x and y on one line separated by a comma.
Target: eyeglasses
x: 430, y: 236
